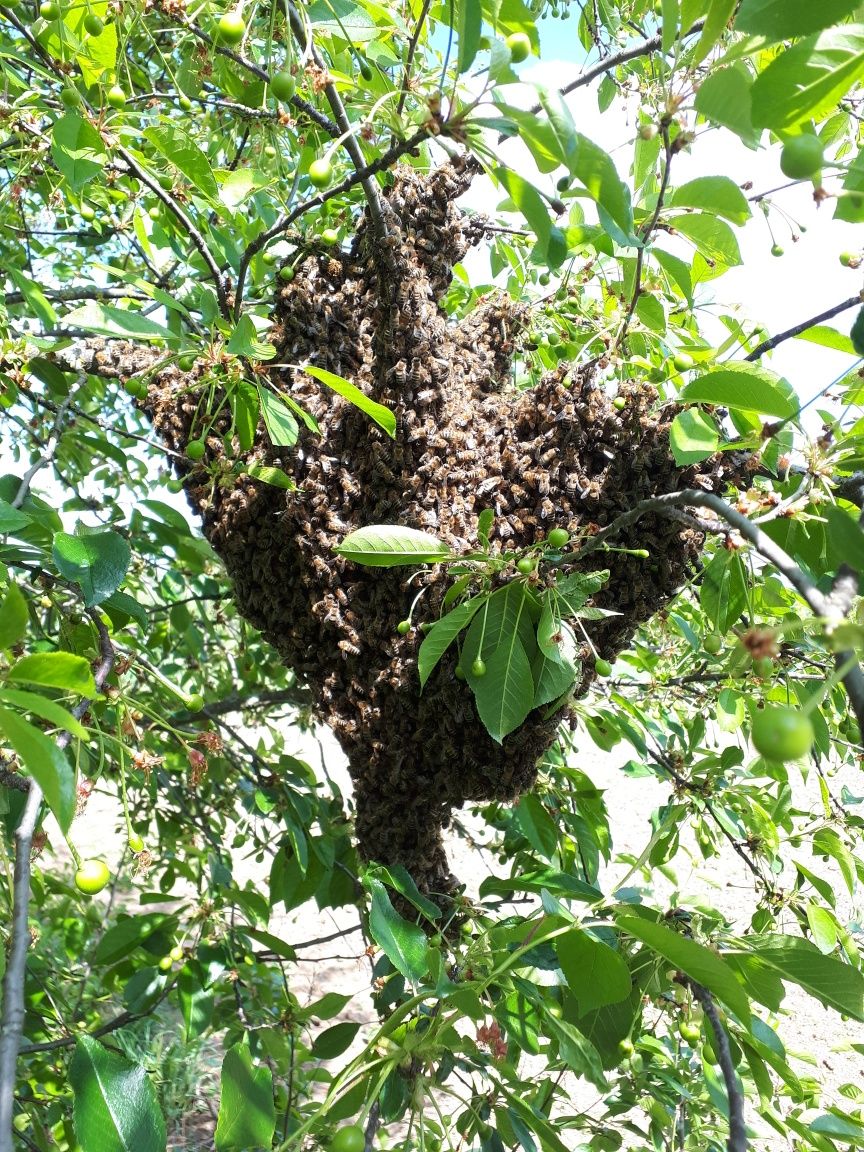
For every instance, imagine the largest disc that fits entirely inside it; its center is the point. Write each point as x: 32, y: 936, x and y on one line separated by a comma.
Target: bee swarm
x: 558, y: 455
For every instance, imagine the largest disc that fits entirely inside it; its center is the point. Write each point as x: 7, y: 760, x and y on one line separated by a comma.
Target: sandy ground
x: 806, y: 1027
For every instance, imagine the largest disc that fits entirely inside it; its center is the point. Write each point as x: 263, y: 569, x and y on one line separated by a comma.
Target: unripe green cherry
x: 195, y: 702
x: 764, y: 667
x: 602, y: 667
x: 782, y: 733
x: 526, y: 565
x: 330, y: 236
x: 49, y: 10
x: 92, y: 876
x: 460, y: 672
x: 136, y: 843
x: 519, y: 45
x: 88, y: 213
x: 195, y: 449
x: 713, y: 642
x: 177, y: 953
x: 683, y: 362
x: 70, y: 97
x: 286, y: 273
x: 115, y: 96
x: 93, y: 24
x: 478, y: 668
x: 619, y: 403
x: 283, y: 85
x: 269, y: 257
x: 166, y: 963
x: 777, y: 250
x: 558, y: 537
x: 348, y: 1138
x: 231, y: 28
x: 403, y: 627
x: 320, y: 172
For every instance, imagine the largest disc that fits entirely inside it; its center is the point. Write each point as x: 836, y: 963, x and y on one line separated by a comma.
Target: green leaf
x: 824, y: 928
x: 77, y: 150
x: 55, y: 714
x: 827, y: 337
x: 182, y: 153
x: 281, y: 426
x: 745, y: 386
x: 403, y: 943
x: 716, y: 21
x: 577, y: 1051
x: 595, y: 169
x: 833, y: 983
x: 535, y: 880
x: 785, y: 19
x: 502, y: 635
x: 245, y: 408
x: 196, y: 1002
x: 115, y: 1105
x: 125, y: 936
x: 391, y: 546
x: 442, y: 634
x: 725, y: 98
x: 108, y: 321
x: 529, y: 202
x: 596, y: 974
x: 270, y: 475
x: 332, y: 1042
x: 97, y: 562
x: 838, y: 1128
x: 716, y: 194
x: 723, y: 594
x: 244, y: 342
x: 36, y: 299
x: 694, y: 960
x: 806, y: 81
x: 469, y: 22
x: 693, y: 436
x: 247, y: 1113
x: 341, y: 17
x: 845, y: 536
x: 13, y: 617
x: 56, y: 670
x: 572, y: 592
x: 382, y: 415
x: 553, y: 677
x: 670, y: 16
x: 713, y: 238
x: 45, y: 762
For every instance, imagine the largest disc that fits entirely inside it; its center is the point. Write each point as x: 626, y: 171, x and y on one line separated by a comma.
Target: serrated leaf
x: 14, y: 616
x: 181, y: 151
x: 97, y: 563
x: 833, y: 983
x: 55, y: 670
x: 115, y: 1105
x: 693, y: 436
x: 694, y: 960
x: 391, y: 546
x: 281, y: 426
x: 785, y: 19
x: 823, y: 926
x: 505, y: 695
x: 716, y: 194
x: 247, y: 1113
x: 107, y: 321
x: 35, y: 297
x: 403, y: 943
x: 45, y: 762
x: 573, y: 591
x: 77, y: 149
x: 805, y: 81
x: 714, y: 239
x: 382, y: 415
x: 442, y: 634
x: 267, y: 474
x: 244, y: 342
x: 596, y: 974
x: 469, y: 22
x: 55, y: 714
x: 744, y: 386
x: 725, y: 98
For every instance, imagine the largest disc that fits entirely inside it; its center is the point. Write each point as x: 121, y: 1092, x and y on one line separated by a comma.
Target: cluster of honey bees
x: 559, y: 455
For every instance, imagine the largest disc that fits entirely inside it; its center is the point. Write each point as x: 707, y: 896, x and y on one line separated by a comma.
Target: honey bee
x: 347, y: 648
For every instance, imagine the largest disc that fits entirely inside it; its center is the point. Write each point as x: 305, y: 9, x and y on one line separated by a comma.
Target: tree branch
x: 820, y: 604
x: 13, y: 1012
x: 737, y: 1141
x: 797, y: 329
x: 652, y: 44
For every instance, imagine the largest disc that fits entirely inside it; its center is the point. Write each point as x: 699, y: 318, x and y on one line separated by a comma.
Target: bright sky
x: 777, y: 292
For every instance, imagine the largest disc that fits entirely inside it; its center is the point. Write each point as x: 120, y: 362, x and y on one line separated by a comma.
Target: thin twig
x: 644, y: 49
x: 817, y: 601
x: 645, y: 236
x: 797, y: 329
x: 409, y: 59
x: 737, y: 1141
